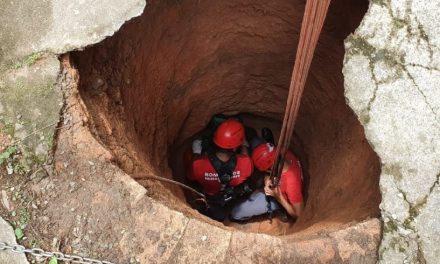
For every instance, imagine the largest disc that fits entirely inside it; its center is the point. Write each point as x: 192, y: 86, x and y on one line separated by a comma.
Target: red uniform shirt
x: 204, y: 173
x: 291, y: 180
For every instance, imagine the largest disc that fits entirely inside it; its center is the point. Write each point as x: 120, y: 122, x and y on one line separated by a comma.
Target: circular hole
x: 156, y: 83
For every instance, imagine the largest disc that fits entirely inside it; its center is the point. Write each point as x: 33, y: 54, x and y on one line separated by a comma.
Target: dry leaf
x: 5, y: 201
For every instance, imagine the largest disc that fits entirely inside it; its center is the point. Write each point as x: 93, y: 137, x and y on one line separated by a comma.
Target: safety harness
x: 225, y: 171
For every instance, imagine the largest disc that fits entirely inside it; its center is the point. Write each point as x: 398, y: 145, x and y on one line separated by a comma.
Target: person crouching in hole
x: 223, y: 173
x: 287, y: 195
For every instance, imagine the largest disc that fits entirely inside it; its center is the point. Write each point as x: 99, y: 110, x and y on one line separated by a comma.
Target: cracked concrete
x: 7, y: 235
x: 391, y: 82
x: 392, y: 71
x: 32, y: 33
x: 59, y: 26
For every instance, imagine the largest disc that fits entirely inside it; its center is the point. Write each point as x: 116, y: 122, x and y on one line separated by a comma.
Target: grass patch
x: 17, y: 65
x: 28, y: 61
x: 34, y: 57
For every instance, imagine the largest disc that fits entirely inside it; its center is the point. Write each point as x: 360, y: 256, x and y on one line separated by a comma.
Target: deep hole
x: 156, y: 83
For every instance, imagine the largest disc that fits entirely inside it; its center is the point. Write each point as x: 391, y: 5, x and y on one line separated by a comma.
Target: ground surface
x: 86, y: 205
x: 391, y: 73
x: 79, y: 201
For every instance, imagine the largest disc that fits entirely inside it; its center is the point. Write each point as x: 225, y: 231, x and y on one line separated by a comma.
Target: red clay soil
x: 156, y: 83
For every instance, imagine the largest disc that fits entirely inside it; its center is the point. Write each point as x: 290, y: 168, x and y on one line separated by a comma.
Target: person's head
x: 229, y: 135
x: 263, y: 156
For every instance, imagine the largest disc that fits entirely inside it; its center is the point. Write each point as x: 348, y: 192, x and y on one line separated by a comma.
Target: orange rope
x: 313, y: 20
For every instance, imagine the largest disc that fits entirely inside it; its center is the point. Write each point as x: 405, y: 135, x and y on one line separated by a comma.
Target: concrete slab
x: 7, y: 235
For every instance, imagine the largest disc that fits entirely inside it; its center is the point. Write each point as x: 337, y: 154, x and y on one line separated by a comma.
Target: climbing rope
x: 313, y: 20
x: 140, y: 177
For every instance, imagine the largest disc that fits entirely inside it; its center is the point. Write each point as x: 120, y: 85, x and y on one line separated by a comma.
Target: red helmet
x: 229, y: 134
x: 263, y: 156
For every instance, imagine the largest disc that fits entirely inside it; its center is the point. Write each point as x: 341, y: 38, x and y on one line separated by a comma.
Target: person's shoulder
x: 244, y: 158
x: 199, y: 158
x: 201, y: 162
x: 245, y: 162
x: 293, y: 173
x: 292, y: 157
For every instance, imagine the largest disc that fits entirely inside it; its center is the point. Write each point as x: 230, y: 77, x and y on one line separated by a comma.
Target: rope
x: 16, y: 141
x: 139, y: 177
x: 313, y: 20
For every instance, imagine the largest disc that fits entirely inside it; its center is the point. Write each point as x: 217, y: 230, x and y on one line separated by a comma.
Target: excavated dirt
x: 155, y: 84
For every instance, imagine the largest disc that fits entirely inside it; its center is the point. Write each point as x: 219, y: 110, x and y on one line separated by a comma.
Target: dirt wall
x: 157, y: 82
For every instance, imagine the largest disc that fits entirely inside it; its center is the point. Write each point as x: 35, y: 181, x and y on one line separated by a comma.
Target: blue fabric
x: 255, y: 205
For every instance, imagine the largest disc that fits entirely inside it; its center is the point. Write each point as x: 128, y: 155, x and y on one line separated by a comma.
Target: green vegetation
x: 34, y: 57
x: 14, y: 162
x: 53, y: 260
x: 398, y: 243
x: 19, y: 168
x: 23, y: 217
x: 17, y: 65
x: 20, y: 99
x: 19, y: 233
x: 399, y: 23
x: 28, y: 61
x: 390, y: 226
x: 7, y: 154
x: 35, y: 243
x: 360, y: 46
x: 21, y: 220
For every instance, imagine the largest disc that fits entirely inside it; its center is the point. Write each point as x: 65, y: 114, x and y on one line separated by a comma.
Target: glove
x: 218, y: 200
x: 241, y: 190
x: 197, y: 146
x: 232, y: 193
x: 228, y: 194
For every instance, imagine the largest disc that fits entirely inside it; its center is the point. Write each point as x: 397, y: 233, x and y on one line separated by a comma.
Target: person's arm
x: 294, y: 210
x: 193, y: 163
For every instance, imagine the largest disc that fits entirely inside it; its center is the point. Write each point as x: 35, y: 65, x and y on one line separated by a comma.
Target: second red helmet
x: 229, y: 134
x: 263, y: 156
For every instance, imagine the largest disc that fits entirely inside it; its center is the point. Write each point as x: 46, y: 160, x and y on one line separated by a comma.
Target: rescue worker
x: 206, y: 140
x: 287, y: 195
x: 222, y: 174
